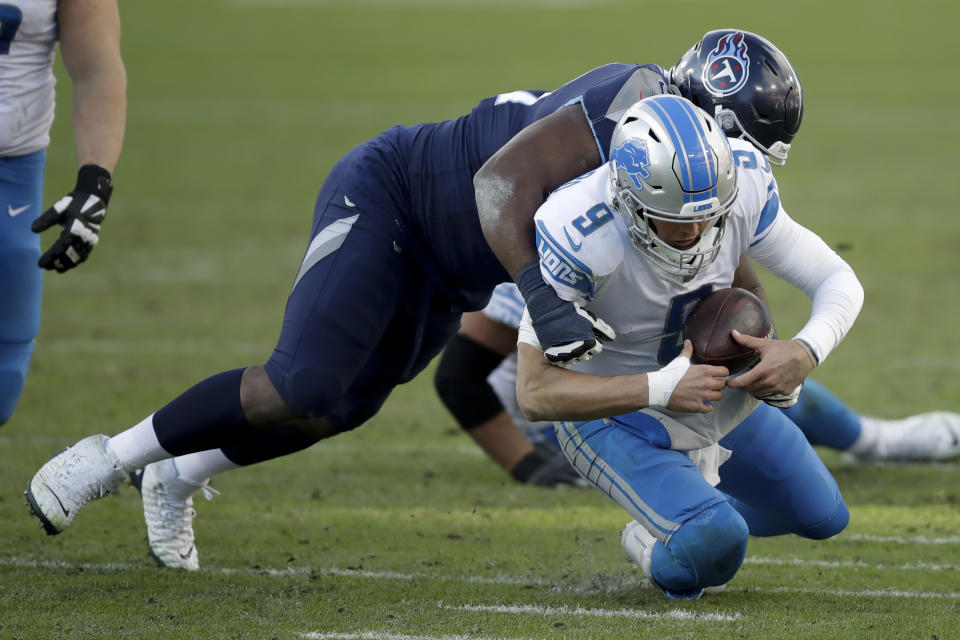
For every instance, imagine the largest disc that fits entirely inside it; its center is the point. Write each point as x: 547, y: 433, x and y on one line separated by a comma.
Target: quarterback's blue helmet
x: 747, y: 85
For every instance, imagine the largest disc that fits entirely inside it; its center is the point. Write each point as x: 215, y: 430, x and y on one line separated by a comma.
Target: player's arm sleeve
x: 797, y: 255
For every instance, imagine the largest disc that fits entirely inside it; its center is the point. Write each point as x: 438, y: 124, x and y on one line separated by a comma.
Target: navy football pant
x: 773, y: 483
x: 21, y: 280
x: 362, y: 317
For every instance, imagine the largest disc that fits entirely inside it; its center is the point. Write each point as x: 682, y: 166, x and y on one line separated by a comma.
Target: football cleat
x: 73, y: 477
x: 927, y: 437
x: 638, y: 543
x: 168, y: 512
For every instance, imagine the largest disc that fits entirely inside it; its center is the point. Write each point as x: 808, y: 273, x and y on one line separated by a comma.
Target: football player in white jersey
x: 689, y: 451
x: 89, y: 35
x: 476, y: 376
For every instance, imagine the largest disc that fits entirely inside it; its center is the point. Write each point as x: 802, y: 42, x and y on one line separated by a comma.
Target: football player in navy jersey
x: 397, y: 254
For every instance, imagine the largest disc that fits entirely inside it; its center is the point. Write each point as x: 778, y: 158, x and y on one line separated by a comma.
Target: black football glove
x: 80, y: 213
x: 555, y: 472
x: 567, y: 332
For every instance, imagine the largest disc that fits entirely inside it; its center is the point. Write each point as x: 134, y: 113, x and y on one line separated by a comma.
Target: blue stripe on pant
x: 21, y: 280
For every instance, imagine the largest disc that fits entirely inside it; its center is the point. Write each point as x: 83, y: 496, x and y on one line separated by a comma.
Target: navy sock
x: 267, y: 445
x: 206, y: 416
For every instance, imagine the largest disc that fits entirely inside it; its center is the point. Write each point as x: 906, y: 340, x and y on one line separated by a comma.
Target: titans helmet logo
x: 727, y: 66
x: 632, y: 156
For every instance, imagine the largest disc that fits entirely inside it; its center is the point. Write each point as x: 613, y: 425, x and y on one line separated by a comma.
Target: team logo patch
x: 632, y: 156
x: 727, y: 66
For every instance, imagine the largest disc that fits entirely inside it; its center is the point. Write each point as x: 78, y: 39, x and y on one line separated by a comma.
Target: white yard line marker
x: 541, y: 610
x: 590, y: 587
x: 852, y: 564
x: 865, y: 537
x: 376, y: 635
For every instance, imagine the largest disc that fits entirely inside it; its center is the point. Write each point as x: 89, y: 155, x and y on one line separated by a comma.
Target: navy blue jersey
x: 423, y: 175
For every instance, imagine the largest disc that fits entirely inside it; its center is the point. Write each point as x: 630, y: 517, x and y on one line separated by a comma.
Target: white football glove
x: 780, y: 400
x: 572, y: 352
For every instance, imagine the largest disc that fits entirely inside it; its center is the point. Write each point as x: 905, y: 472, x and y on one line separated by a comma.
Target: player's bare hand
x: 783, y: 366
x: 680, y: 386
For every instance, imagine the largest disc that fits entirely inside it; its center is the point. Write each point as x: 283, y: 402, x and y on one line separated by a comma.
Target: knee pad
x: 14, y: 362
x: 705, y: 551
x: 834, y: 523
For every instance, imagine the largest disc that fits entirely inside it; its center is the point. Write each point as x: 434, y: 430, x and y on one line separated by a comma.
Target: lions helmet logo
x: 633, y: 158
x: 727, y: 66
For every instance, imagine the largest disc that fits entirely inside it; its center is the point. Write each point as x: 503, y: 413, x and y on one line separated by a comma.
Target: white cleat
x: 168, y: 512
x: 927, y: 437
x: 638, y: 543
x: 73, y: 477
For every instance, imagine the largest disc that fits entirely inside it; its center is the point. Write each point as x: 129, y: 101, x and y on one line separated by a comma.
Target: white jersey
x: 587, y: 256
x: 28, y: 38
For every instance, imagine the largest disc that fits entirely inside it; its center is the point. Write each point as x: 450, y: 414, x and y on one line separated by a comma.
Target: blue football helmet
x: 747, y: 85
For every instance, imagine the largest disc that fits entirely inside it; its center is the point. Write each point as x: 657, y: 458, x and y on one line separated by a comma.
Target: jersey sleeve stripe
x: 697, y: 174
x: 586, y: 115
x: 767, y: 216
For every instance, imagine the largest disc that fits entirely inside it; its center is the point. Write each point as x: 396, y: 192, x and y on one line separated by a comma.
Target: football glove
x: 80, y: 213
x: 780, y: 400
x: 567, y: 332
x: 578, y: 350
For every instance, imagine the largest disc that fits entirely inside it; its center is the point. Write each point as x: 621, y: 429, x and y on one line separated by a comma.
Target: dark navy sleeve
x: 605, y: 102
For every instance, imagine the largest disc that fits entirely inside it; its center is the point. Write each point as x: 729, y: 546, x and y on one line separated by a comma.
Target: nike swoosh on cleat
x: 66, y: 512
x: 186, y: 555
x: 15, y: 212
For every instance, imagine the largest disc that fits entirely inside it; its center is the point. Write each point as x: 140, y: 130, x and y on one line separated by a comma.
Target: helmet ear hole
x: 654, y: 135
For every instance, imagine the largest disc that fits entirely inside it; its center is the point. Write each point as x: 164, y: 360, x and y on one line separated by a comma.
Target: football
x: 712, y: 320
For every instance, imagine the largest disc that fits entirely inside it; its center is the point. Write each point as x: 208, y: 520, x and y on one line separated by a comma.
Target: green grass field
x: 402, y: 529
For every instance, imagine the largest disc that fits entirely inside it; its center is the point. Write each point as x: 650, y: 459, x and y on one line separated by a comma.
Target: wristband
x: 660, y: 384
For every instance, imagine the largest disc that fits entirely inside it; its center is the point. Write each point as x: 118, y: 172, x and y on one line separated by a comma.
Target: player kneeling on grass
x: 693, y: 456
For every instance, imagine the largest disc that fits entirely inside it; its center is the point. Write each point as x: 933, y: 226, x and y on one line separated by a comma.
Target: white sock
x: 198, y: 467
x: 869, y: 437
x: 137, y: 446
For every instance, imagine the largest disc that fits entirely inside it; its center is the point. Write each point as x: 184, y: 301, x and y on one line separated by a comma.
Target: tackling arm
x: 517, y: 179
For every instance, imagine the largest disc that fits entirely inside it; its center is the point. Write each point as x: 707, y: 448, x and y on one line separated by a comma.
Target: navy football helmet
x: 747, y: 84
